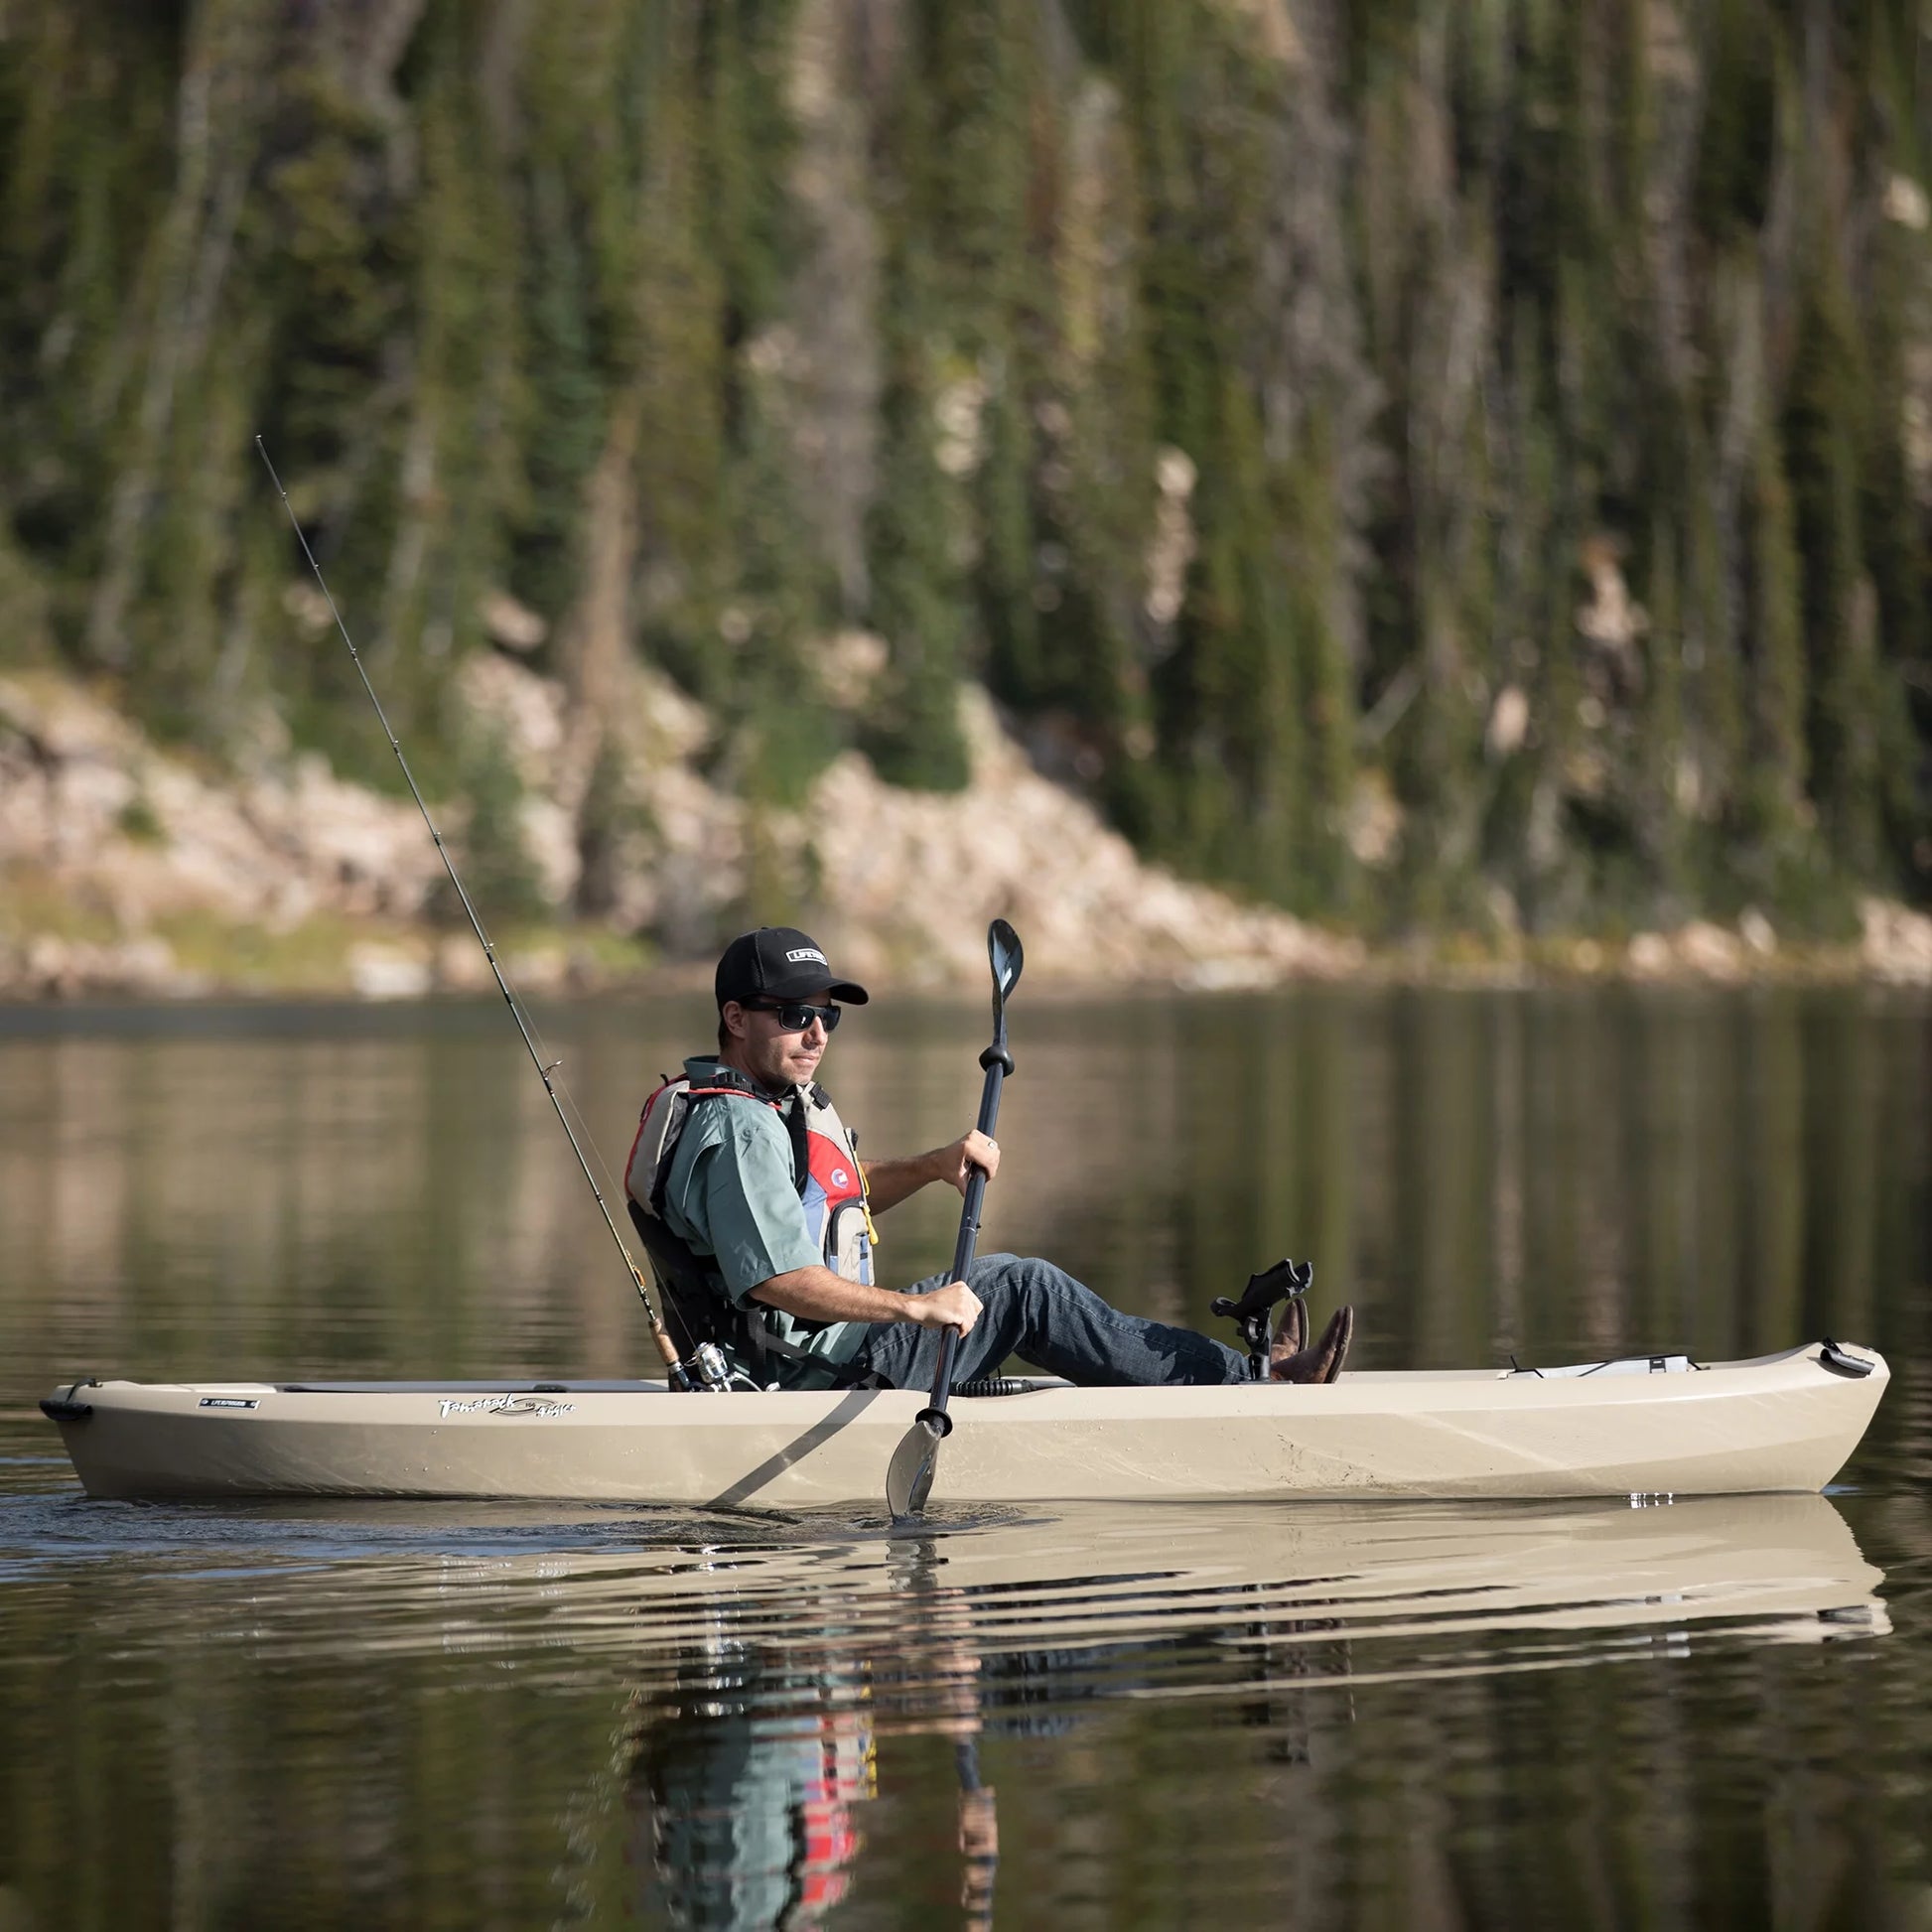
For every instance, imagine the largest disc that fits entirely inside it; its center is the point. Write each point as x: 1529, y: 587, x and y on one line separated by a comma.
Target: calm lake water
x: 1694, y: 1714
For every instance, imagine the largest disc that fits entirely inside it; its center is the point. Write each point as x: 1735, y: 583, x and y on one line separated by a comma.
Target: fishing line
x: 680, y: 1379
x: 562, y: 1095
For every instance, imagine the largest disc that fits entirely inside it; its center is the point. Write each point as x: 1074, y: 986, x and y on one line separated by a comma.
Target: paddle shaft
x: 998, y: 1063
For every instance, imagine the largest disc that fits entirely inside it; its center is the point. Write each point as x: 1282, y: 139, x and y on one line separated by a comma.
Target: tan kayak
x: 1647, y: 1425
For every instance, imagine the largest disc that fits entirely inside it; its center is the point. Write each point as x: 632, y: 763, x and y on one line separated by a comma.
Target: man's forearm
x: 818, y: 1295
x: 888, y: 1182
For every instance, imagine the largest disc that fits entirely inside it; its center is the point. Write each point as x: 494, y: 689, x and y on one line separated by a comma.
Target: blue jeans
x: 1038, y: 1312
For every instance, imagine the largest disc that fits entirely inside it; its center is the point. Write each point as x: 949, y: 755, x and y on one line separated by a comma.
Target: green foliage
x: 1774, y: 812
x: 492, y: 857
x: 1512, y: 410
x: 1737, y: 138
x: 1823, y: 435
x: 917, y: 606
x: 917, y: 527
x: 23, y: 636
x: 755, y: 669
x: 138, y: 822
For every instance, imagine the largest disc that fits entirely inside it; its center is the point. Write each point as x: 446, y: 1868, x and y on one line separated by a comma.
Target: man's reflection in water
x: 751, y: 1801
x: 750, y: 1769
x: 747, y: 1780
x: 979, y: 1836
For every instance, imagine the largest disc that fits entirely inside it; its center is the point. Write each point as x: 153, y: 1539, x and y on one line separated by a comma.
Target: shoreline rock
x: 129, y: 870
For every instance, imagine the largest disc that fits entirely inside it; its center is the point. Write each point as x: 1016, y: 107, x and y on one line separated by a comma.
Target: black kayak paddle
x: 908, y: 1479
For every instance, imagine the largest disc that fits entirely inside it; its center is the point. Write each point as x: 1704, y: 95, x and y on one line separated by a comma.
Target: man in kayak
x: 757, y: 1215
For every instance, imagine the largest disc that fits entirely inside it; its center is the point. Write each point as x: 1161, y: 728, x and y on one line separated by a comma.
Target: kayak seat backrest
x: 692, y: 1290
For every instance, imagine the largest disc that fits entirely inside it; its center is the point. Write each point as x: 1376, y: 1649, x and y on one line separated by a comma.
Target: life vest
x: 831, y: 1190
x: 825, y: 1835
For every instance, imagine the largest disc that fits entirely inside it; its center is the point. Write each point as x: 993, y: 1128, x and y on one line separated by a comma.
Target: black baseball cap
x: 779, y: 962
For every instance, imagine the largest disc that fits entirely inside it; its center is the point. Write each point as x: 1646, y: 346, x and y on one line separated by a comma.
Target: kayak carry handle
x: 1832, y: 1355
x: 65, y: 1408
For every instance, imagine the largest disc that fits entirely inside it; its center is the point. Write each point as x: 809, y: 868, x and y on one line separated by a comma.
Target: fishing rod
x: 674, y: 1367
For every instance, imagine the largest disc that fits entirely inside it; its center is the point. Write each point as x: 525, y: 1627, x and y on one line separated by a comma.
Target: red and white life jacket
x: 831, y: 1191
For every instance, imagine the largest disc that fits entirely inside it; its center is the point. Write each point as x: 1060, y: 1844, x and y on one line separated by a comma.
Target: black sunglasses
x: 794, y: 1015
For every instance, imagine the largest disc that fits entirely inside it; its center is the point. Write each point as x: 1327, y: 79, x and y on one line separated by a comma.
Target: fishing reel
x: 709, y: 1370
x: 1284, y: 1281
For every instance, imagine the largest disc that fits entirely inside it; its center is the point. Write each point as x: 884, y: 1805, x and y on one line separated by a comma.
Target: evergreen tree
x: 1253, y: 394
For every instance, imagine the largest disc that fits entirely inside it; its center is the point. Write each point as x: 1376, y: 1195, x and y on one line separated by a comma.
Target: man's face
x: 770, y: 1054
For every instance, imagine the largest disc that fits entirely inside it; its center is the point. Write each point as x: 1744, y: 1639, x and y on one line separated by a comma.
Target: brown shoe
x: 1322, y: 1363
x: 1291, y: 1338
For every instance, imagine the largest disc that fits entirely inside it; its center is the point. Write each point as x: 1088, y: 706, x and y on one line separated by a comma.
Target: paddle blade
x: 1003, y: 950
x: 909, y: 1480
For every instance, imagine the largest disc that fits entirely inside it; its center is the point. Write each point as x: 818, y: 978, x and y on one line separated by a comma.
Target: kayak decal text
x: 504, y: 1405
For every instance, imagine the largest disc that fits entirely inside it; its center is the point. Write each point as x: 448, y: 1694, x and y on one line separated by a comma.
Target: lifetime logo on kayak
x: 505, y: 1405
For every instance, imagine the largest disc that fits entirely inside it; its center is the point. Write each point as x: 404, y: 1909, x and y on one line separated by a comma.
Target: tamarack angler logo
x: 504, y: 1405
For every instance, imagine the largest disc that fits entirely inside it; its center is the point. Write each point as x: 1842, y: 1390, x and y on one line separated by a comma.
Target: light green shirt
x: 731, y: 1194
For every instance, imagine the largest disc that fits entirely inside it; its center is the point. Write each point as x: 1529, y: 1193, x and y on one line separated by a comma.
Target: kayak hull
x: 1780, y: 1423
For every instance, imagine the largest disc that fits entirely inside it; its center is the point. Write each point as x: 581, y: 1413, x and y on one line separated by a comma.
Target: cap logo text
x: 798, y: 954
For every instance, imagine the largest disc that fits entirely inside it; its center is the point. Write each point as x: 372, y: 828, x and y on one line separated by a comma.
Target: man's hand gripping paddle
x: 908, y: 1479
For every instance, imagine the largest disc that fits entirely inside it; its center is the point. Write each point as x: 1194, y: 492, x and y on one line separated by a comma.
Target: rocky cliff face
x: 124, y: 866
x: 127, y: 867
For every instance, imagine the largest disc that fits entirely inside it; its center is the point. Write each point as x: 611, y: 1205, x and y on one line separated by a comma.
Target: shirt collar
x: 701, y: 1070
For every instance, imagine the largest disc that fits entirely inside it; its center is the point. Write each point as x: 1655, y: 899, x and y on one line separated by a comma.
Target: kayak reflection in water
x: 759, y: 1220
